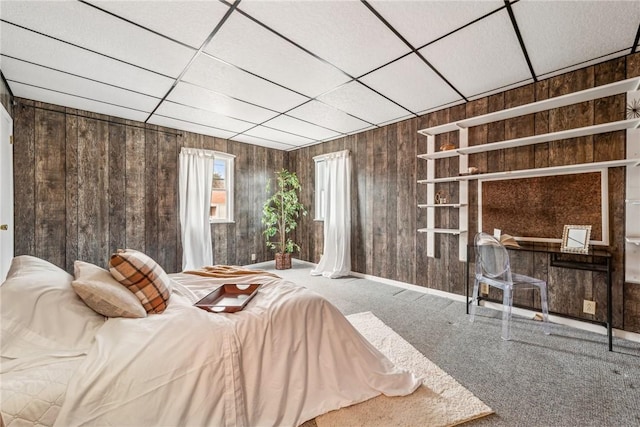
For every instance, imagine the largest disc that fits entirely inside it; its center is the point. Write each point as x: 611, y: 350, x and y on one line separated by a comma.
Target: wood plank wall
x: 385, y: 194
x: 87, y: 184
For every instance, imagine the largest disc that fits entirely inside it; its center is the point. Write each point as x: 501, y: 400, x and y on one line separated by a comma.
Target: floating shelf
x: 535, y: 107
x: 441, y: 205
x: 554, y: 170
x: 441, y: 230
x: 554, y: 136
x: 437, y: 180
x: 634, y: 240
x: 440, y: 154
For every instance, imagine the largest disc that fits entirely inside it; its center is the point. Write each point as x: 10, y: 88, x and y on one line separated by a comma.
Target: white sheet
x: 287, y: 357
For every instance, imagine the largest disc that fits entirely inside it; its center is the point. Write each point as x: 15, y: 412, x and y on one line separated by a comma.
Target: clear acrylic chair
x: 493, y: 268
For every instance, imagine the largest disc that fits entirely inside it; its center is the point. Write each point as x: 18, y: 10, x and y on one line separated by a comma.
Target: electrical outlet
x: 589, y: 307
x: 253, y: 257
x: 484, y: 289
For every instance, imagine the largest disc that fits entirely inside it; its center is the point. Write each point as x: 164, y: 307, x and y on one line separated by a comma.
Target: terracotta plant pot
x: 283, y: 261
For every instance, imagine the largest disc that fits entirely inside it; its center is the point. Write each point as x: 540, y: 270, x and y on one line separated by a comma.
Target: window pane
x: 218, y: 204
x: 219, y: 174
x: 221, y: 209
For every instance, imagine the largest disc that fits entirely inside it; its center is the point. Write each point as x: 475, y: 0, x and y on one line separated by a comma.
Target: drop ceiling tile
x: 344, y: 39
x: 189, y: 127
x: 189, y: 22
x: 421, y: 22
x: 202, y: 117
x: 278, y: 136
x: 244, y: 43
x: 228, y: 80
x: 44, y: 95
x: 247, y: 139
x: 299, y: 127
x: 480, y: 57
x: 356, y: 99
x: 328, y: 116
x: 421, y: 87
x: 85, y: 26
x: 35, y: 75
x: 205, y: 99
x: 29, y: 46
x: 562, y: 34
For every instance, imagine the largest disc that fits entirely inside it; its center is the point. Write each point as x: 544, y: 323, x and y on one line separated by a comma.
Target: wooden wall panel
x: 117, y: 188
x: 50, y: 185
x: 24, y: 178
x: 87, y: 184
x: 71, y: 196
x: 135, y: 188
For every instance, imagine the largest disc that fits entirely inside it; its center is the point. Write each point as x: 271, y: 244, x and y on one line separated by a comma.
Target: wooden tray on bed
x: 228, y: 298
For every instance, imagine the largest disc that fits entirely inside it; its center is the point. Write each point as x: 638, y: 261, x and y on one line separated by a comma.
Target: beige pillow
x: 104, y: 294
x: 144, y: 277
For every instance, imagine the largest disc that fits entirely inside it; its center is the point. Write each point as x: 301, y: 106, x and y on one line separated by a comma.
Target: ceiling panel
x: 566, y: 33
x: 262, y: 142
x: 202, y: 117
x: 280, y: 70
x: 83, y: 25
x: 189, y: 22
x: 421, y: 22
x: 35, y: 75
x: 44, y: 95
x: 299, y: 127
x: 328, y: 116
x: 228, y: 80
x: 481, y: 57
x: 251, y: 47
x: 189, y: 127
x: 356, y: 99
x: 276, y: 135
x: 29, y: 46
x: 195, y: 96
x: 422, y: 88
x: 343, y: 39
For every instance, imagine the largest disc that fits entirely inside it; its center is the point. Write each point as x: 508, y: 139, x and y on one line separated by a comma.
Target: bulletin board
x: 537, y: 208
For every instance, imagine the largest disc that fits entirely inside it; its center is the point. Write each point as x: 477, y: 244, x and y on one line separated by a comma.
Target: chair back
x: 492, y: 259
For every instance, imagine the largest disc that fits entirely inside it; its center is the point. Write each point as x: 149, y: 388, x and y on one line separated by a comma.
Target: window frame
x: 229, y: 159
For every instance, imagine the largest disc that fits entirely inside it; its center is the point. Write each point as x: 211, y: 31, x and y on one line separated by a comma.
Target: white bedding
x: 289, y: 356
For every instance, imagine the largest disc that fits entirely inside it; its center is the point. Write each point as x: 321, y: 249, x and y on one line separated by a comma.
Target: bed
x: 287, y: 357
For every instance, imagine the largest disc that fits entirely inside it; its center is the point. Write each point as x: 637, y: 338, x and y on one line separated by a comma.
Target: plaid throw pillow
x: 143, y: 276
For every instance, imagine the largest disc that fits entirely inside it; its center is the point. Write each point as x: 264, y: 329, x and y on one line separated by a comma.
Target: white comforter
x: 287, y: 357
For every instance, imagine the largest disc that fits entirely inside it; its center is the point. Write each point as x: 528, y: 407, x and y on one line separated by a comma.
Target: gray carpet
x: 565, y: 379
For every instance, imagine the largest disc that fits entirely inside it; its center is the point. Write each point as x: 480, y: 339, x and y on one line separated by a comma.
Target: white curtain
x: 196, y: 177
x: 336, y: 257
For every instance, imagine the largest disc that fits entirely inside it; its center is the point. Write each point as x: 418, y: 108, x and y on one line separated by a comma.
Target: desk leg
x: 609, y: 316
x: 466, y: 280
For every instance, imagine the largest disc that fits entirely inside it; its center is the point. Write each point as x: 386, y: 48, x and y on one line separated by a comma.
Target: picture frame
x: 575, y: 239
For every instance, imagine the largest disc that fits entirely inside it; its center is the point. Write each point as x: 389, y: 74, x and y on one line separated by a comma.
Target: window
x: 321, y: 171
x: 222, y: 188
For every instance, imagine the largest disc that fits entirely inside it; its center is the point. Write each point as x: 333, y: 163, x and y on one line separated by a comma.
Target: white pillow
x: 104, y: 294
x: 41, y: 312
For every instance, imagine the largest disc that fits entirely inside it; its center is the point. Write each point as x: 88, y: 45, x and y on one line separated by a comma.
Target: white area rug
x: 440, y: 401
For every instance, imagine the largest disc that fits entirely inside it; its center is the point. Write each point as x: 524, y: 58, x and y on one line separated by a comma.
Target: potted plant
x: 280, y: 215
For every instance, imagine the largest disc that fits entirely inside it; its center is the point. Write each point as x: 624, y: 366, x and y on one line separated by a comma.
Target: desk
x: 594, y: 260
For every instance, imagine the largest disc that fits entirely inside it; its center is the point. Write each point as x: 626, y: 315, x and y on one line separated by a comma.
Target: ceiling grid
x: 286, y: 74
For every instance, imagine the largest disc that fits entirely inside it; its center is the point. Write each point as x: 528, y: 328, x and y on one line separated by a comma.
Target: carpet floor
x: 440, y: 402
x: 565, y: 379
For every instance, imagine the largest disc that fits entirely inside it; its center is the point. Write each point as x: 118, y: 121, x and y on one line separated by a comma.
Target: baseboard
x: 586, y: 326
